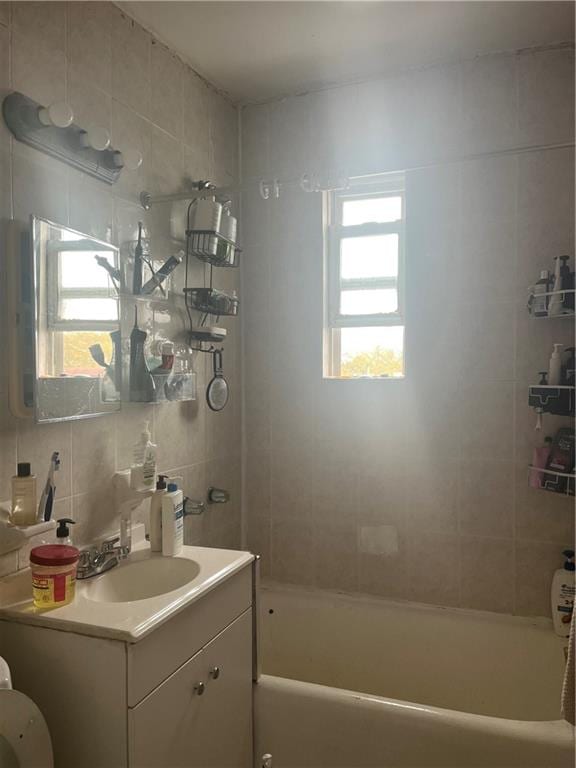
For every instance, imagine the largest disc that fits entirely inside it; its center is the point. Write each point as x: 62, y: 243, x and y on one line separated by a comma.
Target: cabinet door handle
x: 215, y: 673
x: 199, y: 688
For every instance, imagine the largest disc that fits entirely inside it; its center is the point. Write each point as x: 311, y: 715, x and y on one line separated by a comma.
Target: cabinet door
x: 201, y: 716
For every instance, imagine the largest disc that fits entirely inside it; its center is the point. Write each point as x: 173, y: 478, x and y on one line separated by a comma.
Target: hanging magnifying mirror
x: 217, y: 392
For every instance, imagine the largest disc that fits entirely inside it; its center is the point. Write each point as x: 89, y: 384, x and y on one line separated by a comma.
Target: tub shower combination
x: 371, y: 682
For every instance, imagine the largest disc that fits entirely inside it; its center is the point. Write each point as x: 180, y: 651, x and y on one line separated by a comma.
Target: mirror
x: 77, y: 329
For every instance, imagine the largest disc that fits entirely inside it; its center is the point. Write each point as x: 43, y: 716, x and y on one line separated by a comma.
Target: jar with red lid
x: 53, y: 569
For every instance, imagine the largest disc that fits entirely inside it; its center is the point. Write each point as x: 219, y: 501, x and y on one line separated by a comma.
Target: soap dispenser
x: 63, y: 531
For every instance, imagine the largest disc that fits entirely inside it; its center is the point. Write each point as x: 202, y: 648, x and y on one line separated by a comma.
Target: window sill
x: 364, y: 378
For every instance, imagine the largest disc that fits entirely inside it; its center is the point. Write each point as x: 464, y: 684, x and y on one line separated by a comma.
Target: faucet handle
x: 109, y: 544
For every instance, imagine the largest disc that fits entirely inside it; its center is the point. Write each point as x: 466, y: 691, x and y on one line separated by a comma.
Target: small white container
x: 562, y: 595
x: 172, y: 521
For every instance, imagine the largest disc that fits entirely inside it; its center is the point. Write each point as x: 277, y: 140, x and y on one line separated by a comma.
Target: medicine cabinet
x: 65, y: 329
x: 71, y: 327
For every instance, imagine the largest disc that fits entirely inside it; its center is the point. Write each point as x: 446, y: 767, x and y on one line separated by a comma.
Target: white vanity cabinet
x: 180, y: 697
x: 201, y: 715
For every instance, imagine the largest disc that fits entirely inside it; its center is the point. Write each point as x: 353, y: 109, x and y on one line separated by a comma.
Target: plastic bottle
x: 555, y: 369
x: 156, y: 514
x: 562, y: 595
x: 556, y: 305
x: 540, y: 456
x: 172, y: 521
x: 24, y: 504
x: 539, y: 306
x: 143, y: 471
x: 63, y: 531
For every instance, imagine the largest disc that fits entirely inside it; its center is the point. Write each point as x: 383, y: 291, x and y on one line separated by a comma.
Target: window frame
x: 388, y: 185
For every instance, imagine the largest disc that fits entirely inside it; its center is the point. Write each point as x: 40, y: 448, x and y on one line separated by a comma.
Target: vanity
x: 151, y: 666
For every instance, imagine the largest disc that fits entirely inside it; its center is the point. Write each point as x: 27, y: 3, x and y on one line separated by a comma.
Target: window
x: 82, y: 307
x: 364, y: 307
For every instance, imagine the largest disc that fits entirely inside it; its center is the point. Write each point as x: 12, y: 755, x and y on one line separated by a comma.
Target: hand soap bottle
x: 172, y: 521
x: 63, y: 531
x: 562, y: 594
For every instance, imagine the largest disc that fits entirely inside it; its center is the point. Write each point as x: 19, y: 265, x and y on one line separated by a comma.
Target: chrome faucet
x: 95, y: 560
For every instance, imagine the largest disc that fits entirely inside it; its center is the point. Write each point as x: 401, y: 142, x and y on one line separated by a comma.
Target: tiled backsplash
x: 116, y: 75
x: 413, y: 489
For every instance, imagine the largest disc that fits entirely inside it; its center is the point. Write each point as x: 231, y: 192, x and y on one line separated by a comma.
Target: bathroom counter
x: 126, y: 620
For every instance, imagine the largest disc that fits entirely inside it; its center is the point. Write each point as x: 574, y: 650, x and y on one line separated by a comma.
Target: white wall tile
x: 131, y: 63
x: 38, y: 50
x: 167, y: 103
x: 546, y: 96
x: 90, y: 35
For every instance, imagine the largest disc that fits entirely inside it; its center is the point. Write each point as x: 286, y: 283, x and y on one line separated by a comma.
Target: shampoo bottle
x: 172, y: 521
x: 143, y: 471
x: 562, y: 594
x: 156, y: 514
x: 555, y: 370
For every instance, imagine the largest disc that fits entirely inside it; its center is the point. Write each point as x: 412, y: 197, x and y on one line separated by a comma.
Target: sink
x: 142, y: 579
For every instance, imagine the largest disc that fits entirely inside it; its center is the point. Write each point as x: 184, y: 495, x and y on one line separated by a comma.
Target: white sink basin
x: 142, y: 579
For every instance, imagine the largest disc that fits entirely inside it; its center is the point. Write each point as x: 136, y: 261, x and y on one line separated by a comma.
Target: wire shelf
x: 211, y: 301
x: 541, y: 313
x: 557, y: 482
x: 213, y: 248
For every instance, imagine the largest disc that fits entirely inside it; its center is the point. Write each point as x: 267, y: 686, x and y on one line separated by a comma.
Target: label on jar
x: 54, y: 588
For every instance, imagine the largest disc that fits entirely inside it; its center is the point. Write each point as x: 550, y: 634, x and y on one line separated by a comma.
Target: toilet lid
x: 24, y: 738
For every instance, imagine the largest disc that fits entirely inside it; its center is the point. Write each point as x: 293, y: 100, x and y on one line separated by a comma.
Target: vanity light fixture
x: 52, y: 130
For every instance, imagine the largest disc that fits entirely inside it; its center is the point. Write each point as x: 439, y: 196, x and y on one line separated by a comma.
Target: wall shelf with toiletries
x: 553, y: 295
x: 550, y: 480
x: 214, y: 248
x: 557, y: 400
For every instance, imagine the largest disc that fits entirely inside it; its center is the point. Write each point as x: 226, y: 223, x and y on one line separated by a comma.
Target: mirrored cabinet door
x: 77, y: 331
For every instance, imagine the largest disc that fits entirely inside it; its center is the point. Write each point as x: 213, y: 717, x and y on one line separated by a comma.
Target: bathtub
x: 351, y: 681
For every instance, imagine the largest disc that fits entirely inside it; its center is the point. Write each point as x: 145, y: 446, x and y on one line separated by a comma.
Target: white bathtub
x: 351, y: 682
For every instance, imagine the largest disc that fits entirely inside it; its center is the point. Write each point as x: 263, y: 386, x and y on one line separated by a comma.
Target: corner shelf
x: 567, y: 313
x: 555, y: 482
x: 548, y: 398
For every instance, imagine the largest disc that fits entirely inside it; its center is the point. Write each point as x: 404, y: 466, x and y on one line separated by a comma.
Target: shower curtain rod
x: 312, y: 182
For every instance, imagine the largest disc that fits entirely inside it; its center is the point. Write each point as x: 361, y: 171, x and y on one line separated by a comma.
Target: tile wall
x: 115, y: 74
x: 414, y: 489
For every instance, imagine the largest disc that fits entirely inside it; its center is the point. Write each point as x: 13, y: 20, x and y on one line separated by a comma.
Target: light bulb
x: 131, y: 159
x: 59, y: 114
x: 96, y: 137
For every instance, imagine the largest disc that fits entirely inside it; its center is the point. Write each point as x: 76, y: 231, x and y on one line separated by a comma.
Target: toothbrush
x: 49, y: 492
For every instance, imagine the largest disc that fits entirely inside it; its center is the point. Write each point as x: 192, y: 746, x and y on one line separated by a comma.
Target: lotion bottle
x: 156, y: 514
x: 555, y: 370
x: 562, y: 595
x: 172, y: 521
x: 143, y: 471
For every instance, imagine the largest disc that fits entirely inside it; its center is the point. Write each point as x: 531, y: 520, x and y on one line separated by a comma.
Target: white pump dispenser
x: 555, y: 369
